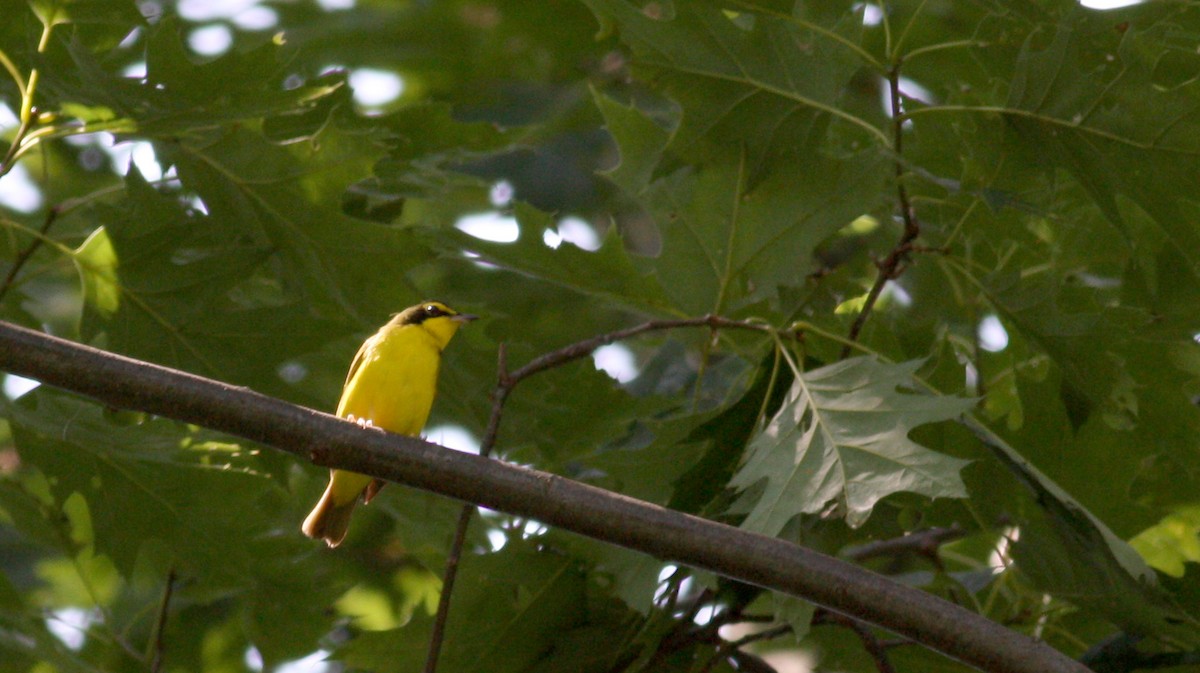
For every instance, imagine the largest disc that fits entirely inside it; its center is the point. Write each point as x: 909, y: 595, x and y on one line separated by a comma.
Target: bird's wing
x: 358, y: 360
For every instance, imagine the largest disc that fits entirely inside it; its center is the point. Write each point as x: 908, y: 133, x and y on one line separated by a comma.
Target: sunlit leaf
x: 841, y: 438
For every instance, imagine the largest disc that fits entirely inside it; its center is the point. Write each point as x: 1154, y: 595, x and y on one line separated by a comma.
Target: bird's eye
x: 432, y: 311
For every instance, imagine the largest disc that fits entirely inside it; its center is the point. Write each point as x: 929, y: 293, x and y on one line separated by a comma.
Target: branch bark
x: 329, y: 441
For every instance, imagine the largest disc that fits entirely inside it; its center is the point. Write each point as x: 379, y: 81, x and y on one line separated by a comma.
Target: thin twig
x: 450, y: 573
x: 24, y: 255
x: 160, y: 625
x: 729, y: 649
x: 587, y: 346
x: 891, y: 266
x: 873, y: 645
x: 923, y: 543
x: 438, y: 634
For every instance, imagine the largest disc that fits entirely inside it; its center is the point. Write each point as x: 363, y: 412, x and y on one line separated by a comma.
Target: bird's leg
x: 376, y: 484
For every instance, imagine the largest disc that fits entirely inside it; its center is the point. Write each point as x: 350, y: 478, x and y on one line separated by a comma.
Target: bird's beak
x: 464, y: 317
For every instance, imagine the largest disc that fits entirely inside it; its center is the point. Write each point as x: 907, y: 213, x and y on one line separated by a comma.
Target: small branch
x: 503, y: 385
x: 160, y: 625
x: 923, y: 543
x: 13, y: 71
x: 733, y: 617
x: 729, y: 650
x: 891, y: 266
x: 24, y: 255
x: 449, y: 575
x: 587, y: 346
x: 329, y: 441
x: 873, y: 645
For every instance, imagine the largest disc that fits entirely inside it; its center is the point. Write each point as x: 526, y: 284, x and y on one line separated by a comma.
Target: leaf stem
x: 13, y: 71
x: 956, y: 44
x: 895, y: 54
x: 27, y: 92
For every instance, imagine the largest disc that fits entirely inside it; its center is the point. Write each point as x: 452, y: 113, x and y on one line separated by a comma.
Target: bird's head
x: 434, y: 317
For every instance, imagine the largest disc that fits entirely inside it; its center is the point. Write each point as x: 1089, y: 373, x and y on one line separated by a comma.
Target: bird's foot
x: 363, y: 422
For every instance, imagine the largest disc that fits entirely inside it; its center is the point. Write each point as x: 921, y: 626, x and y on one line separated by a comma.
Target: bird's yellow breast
x: 394, y: 380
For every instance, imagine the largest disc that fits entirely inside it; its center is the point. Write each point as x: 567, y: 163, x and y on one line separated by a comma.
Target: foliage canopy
x: 1021, y: 174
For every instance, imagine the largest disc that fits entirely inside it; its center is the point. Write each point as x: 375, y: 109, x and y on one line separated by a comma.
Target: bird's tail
x: 329, y: 521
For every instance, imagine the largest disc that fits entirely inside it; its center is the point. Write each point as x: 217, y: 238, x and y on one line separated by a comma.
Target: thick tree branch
x: 329, y: 441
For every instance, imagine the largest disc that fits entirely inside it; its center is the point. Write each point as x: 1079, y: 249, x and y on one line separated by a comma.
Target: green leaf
x: 180, y: 97
x: 57, y: 12
x: 762, y: 79
x: 608, y: 272
x: 165, y: 283
x: 143, y: 481
x: 796, y: 612
x: 726, y: 435
x: 1116, y: 108
x: 728, y: 243
x: 426, y: 146
x: 1172, y: 542
x: 97, y: 262
x: 841, y: 437
x: 1068, y: 551
x: 508, y: 609
x: 640, y: 139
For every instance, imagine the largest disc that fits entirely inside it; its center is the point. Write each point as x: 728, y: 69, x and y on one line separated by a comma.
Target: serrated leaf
x: 1117, y: 109
x: 640, y: 139
x: 334, y: 260
x: 1069, y: 555
x: 761, y: 79
x: 607, y: 272
x: 140, y: 483
x: 168, y: 284
x: 842, y: 437
x: 180, y: 96
x: 728, y: 244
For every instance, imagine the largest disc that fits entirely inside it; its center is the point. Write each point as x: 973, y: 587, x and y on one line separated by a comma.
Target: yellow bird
x: 390, y: 386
